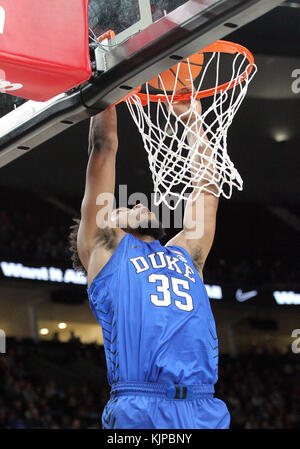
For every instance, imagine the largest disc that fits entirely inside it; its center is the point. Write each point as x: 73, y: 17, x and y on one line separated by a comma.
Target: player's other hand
x: 182, y: 108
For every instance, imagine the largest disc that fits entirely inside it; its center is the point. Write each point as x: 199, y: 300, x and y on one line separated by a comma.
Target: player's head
x: 138, y: 221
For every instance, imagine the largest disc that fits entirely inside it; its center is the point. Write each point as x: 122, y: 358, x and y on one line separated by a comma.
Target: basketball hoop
x: 179, y: 166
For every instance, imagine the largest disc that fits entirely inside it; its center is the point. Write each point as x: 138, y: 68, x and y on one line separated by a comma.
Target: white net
x: 188, y: 152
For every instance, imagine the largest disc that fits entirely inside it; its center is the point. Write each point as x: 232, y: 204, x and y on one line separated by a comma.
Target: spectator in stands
x: 262, y: 391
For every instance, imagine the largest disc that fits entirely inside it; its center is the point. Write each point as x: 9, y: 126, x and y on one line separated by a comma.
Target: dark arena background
x: 52, y: 362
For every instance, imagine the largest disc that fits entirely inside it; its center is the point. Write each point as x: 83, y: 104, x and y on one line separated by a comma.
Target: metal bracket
x: 100, y: 56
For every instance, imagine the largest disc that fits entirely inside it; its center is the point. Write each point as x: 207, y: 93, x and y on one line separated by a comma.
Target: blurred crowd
x: 24, y: 239
x: 36, y: 233
x: 252, y: 270
x: 29, y: 400
x: 261, y: 391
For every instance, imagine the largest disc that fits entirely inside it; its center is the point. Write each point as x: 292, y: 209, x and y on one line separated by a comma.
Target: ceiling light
x: 281, y: 135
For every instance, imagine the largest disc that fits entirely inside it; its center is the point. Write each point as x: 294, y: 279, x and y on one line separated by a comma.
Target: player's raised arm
x: 200, y: 215
x: 100, y: 179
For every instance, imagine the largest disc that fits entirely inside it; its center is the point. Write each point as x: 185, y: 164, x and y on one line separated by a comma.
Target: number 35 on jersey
x: 163, y: 296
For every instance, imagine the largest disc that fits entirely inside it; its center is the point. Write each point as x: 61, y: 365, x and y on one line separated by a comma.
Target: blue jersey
x: 155, y: 315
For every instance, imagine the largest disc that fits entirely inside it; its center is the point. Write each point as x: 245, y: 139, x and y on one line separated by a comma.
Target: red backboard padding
x: 44, y: 46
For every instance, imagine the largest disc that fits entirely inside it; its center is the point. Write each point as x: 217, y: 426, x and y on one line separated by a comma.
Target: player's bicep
x: 198, y: 233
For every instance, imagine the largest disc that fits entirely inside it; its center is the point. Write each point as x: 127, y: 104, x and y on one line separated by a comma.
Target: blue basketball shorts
x: 160, y: 406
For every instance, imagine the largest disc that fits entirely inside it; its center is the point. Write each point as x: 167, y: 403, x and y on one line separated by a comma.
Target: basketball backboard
x: 150, y: 36
x: 129, y: 17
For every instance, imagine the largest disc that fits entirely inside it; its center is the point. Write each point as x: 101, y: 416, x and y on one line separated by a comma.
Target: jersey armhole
x: 182, y: 250
x: 186, y: 253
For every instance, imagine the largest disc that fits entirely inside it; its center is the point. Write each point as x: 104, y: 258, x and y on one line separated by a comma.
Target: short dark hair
x: 77, y: 265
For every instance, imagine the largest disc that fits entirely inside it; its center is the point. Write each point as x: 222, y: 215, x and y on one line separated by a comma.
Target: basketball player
x: 159, y: 333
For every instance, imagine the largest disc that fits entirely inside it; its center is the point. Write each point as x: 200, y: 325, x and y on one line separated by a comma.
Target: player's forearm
x: 203, y: 162
x: 103, y: 132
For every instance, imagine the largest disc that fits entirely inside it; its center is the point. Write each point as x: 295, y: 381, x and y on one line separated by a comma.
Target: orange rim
x: 110, y: 34
x: 217, y: 47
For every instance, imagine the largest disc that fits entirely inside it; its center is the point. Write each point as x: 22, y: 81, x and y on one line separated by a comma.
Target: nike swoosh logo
x: 241, y: 297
